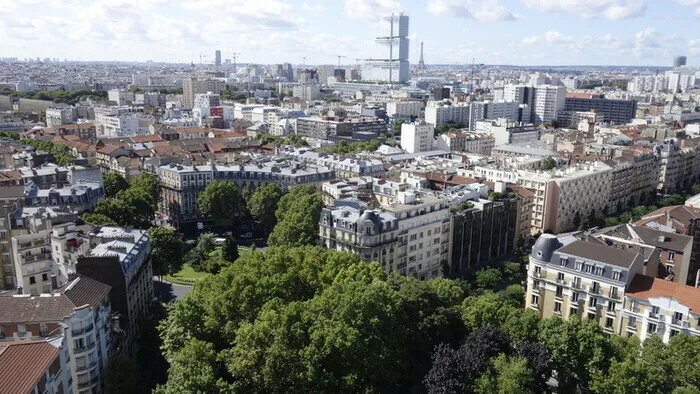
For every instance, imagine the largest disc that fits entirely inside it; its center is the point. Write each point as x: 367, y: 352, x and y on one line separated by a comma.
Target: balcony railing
x: 81, y: 349
x: 680, y: 322
x: 80, y: 368
x: 79, y: 331
x: 594, y: 289
x: 575, y: 285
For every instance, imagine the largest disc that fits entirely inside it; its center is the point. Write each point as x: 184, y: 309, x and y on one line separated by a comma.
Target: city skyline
x: 509, y: 32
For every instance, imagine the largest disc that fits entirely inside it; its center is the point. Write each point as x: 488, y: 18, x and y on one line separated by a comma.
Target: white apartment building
x: 79, y: 313
x: 404, y: 108
x: 122, y: 125
x: 207, y: 100
x: 548, y: 101
x: 481, y: 110
x: 33, y: 262
x: 245, y: 111
x: 307, y: 92
x: 440, y: 112
x: 56, y: 116
x: 466, y: 142
x: 267, y: 115
x: 417, y: 137
x: 121, y: 97
x: 561, y: 195
x: 409, y: 235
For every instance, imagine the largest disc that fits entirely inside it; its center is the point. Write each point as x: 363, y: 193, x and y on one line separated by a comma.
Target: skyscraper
x: 679, y: 61
x: 217, y: 57
x: 394, y: 67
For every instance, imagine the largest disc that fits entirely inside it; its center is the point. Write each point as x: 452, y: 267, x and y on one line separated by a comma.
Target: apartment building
x: 330, y: 129
x: 57, y: 116
x: 633, y: 181
x: 615, y: 112
x: 121, y: 258
x: 192, y: 86
x: 409, y: 235
x: 10, y: 206
x: 34, y: 367
x: 568, y: 276
x: 417, y: 137
x: 180, y: 185
x: 207, y: 100
x: 482, y: 234
x: 79, y: 197
x: 653, y: 306
x: 667, y: 255
x: 679, y: 219
x: 509, y: 110
x: 562, y: 197
x: 79, y: 314
x: 404, y: 109
x: 33, y: 262
x: 680, y: 164
x: 441, y: 112
x: 573, y: 277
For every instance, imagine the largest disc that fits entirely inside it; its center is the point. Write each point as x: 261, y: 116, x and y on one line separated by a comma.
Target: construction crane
x: 340, y: 57
x: 235, y: 56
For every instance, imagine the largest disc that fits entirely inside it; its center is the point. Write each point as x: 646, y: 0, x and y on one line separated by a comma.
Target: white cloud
x: 531, y: 40
x: 480, y: 10
x: 370, y: 10
x: 554, y: 37
x: 692, y: 3
x: 591, y: 9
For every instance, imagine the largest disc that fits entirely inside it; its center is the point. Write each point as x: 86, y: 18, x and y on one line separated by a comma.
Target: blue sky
x: 526, y: 32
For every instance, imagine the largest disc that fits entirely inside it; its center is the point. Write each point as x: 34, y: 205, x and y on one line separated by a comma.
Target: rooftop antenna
x: 340, y: 57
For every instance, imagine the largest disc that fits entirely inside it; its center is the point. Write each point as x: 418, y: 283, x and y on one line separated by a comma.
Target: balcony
x: 680, y: 322
x: 80, y: 368
x: 83, y: 349
x: 560, y: 281
x: 575, y: 285
x: 79, y: 331
x: 594, y: 289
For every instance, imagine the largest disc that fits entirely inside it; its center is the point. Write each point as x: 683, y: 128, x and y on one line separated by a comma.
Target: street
x: 169, y: 292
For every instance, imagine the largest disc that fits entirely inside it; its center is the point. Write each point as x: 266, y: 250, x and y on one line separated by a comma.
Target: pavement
x: 169, y: 292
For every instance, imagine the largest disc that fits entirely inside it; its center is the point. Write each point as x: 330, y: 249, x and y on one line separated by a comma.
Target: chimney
x: 662, y: 238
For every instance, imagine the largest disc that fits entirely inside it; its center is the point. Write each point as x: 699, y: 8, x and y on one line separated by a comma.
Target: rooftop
x: 23, y: 364
x: 600, y: 253
x: 646, y: 287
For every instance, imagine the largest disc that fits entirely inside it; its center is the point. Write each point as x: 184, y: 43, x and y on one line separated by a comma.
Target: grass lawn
x: 186, y: 276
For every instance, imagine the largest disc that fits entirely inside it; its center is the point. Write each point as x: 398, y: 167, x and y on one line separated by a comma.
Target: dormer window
x: 599, y: 271
x: 579, y: 265
x: 563, y: 261
x: 616, y: 275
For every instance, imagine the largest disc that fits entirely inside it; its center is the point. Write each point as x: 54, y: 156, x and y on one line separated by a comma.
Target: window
x: 591, y: 315
x: 575, y: 296
x: 674, y: 333
x: 535, y: 300
x: 560, y: 291
x: 651, y: 328
x: 632, y: 322
x: 616, y: 275
x: 563, y: 262
x: 44, y: 277
x: 21, y: 329
x: 535, y: 283
x: 557, y: 307
x: 592, y: 302
x: 560, y: 276
x: 32, y: 280
x: 611, y: 306
x: 678, y: 316
x: 573, y: 312
x: 579, y: 265
x: 599, y: 271
x: 589, y: 268
x: 654, y: 310
x: 671, y: 255
x: 538, y: 270
x: 609, y: 322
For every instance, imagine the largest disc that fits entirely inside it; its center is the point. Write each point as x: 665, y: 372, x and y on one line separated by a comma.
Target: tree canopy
x: 262, y: 205
x: 113, y: 184
x: 221, y: 201
x: 298, y: 213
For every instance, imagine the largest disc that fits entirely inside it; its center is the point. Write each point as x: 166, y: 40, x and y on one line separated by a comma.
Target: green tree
x: 549, y: 163
x: 263, y: 204
x: 508, y: 375
x: 113, y: 184
x: 489, y: 278
x: 229, y: 250
x: 166, y: 251
x: 221, y: 201
x: 149, y: 184
x: 97, y: 219
x: 298, y: 213
x: 195, y: 370
x: 122, y: 376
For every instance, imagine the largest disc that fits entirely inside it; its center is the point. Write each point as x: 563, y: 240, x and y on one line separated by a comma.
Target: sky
x: 514, y: 32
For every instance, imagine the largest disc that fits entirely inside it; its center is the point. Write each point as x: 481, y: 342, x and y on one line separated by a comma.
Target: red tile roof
x: 22, y: 364
x: 645, y: 287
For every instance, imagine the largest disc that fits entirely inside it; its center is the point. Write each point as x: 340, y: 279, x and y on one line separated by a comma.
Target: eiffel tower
x: 421, y: 63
